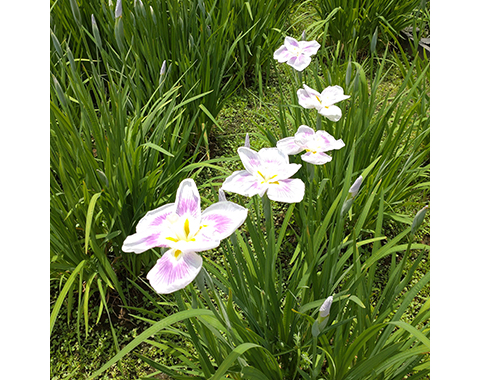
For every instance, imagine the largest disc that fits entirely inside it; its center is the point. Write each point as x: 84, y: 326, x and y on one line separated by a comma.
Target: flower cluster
x: 186, y: 230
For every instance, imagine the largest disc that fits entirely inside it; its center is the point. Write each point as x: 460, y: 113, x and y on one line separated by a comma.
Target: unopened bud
x: 418, y: 220
x: 325, y: 308
x: 221, y: 195
x: 118, y: 9
x: 322, y: 319
x: 356, y: 187
x: 164, y: 68
x: 247, y: 141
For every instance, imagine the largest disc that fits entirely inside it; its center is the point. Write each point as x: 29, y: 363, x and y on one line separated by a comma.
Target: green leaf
x: 159, y: 148
x: 91, y: 208
x: 63, y: 293
x: 230, y: 359
x: 412, y: 330
x: 177, y: 317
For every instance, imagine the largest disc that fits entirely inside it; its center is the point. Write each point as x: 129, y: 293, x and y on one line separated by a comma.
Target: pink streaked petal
x: 289, y: 146
x: 299, y: 63
x: 307, y: 99
x: 333, y: 94
x: 329, y: 141
x: 273, y: 157
x: 282, y: 54
x: 250, y: 159
x: 221, y: 219
x: 171, y: 274
x: 291, y: 42
x: 188, y: 200
x: 318, y: 158
x: 311, y: 91
x: 143, y: 241
x: 303, y: 135
x: 243, y: 183
x: 309, y: 47
x: 288, y: 191
x: 332, y: 113
x: 156, y: 218
x: 286, y: 171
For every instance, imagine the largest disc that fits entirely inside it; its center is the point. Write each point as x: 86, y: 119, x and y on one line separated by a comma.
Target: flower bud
x: 221, y: 195
x: 356, y: 187
x: 322, y: 319
x: 164, y: 68
x: 247, y: 141
x: 325, y: 308
x: 417, y: 221
x: 118, y: 9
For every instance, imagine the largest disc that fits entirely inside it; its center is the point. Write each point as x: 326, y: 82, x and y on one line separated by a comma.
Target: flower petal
x: 288, y: 191
x: 291, y: 43
x: 273, y: 157
x: 143, y: 240
x: 299, y: 63
x: 308, y: 98
x: 303, y: 135
x: 309, y: 47
x: 243, y: 183
x: 282, y: 54
x: 329, y: 141
x: 221, y: 219
x: 156, y: 218
x: 171, y: 274
x: 188, y: 200
x: 201, y: 242
x: 332, y: 113
x: 333, y: 94
x: 289, y: 146
x: 318, y: 158
x: 250, y: 159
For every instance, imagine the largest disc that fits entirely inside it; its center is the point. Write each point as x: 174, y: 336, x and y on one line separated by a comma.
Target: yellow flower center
x: 181, y: 232
x: 267, y: 178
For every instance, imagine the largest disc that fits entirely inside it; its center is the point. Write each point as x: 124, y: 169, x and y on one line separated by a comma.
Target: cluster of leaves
x: 124, y: 132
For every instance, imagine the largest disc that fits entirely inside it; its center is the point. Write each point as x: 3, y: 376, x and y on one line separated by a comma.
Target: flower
x: 355, y: 187
x: 182, y: 227
x: 324, y: 102
x: 315, y: 143
x: 267, y: 171
x: 296, y: 53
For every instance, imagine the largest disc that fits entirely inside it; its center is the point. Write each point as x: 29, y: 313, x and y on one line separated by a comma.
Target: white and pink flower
x: 296, y: 53
x: 267, y: 171
x: 184, y: 228
x: 323, y: 102
x: 314, y: 143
